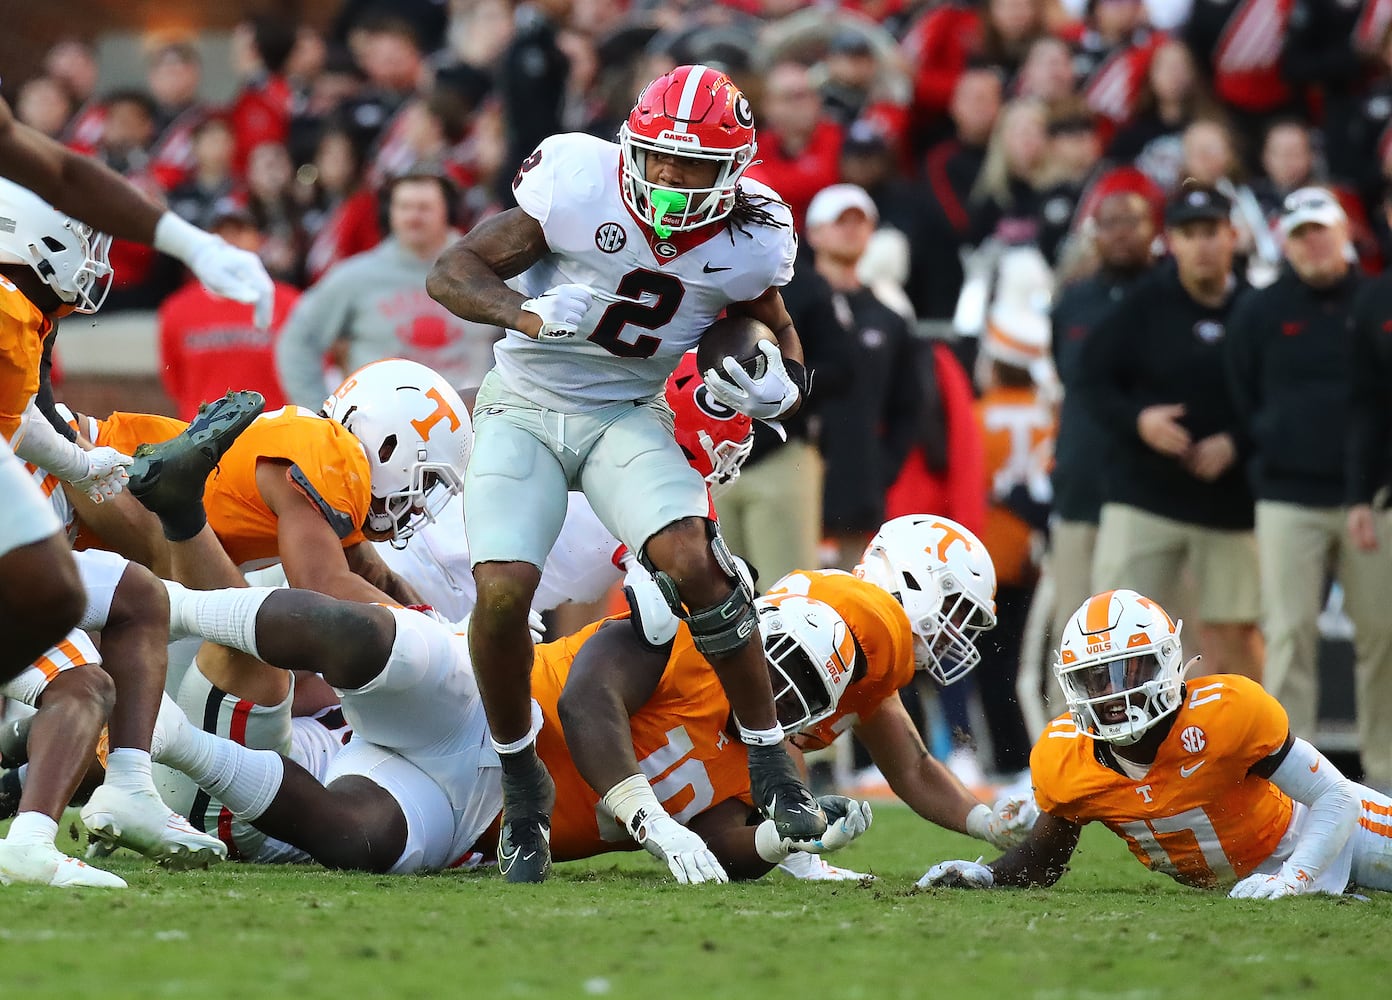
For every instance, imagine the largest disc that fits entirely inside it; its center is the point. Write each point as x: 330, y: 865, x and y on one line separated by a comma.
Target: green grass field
x: 617, y: 927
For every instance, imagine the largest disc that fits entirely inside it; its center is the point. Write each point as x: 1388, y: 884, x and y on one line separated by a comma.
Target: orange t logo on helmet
x: 442, y: 411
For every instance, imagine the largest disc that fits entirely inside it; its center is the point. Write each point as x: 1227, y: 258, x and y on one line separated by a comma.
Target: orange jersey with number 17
x: 1198, y: 814
x: 679, y: 736
x: 881, y: 629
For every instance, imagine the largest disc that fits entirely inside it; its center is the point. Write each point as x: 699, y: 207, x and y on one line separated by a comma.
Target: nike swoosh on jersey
x: 1184, y: 772
x: 711, y: 270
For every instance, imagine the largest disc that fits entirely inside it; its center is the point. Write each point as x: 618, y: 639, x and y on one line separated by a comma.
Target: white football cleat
x: 44, y: 864
x: 141, y: 821
x: 813, y: 868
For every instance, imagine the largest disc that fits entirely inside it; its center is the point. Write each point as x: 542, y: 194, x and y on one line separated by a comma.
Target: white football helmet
x: 69, y: 256
x: 944, y: 577
x: 1120, y: 665
x: 418, y: 437
x: 811, y: 657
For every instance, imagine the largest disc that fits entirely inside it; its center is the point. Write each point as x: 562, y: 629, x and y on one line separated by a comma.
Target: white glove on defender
x: 1005, y: 826
x: 687, y: 856
x: 957, y: 875
x: 561, y: 309
x: 634, y: 804
x: 106, y: 474
x: 1288, y: 881
x: 766, y: 398
x: 847, y: 821
x: 222, y: 268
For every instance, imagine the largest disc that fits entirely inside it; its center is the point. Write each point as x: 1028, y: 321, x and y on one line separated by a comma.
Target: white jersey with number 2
x: 653, y: 297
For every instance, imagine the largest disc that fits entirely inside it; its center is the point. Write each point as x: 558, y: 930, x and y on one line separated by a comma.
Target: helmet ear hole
x: 384, y: 453
x: 53, y: 245
x: 912, y: 581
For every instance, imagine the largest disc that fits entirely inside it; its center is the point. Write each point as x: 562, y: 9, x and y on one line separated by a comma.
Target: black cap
x: 1194, y: 202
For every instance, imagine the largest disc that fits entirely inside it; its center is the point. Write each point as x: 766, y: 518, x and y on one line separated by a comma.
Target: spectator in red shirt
x: 270, y: 197
x: 141, y: 278
x: 956, y: 35
x: 1111, y: 56
x: 341, y: 219
x: 261, y: 48
x: 208, y: 344
x: 798, y: 145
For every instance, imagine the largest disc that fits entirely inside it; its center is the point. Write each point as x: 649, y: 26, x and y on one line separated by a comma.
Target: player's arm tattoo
x: 469, y: 278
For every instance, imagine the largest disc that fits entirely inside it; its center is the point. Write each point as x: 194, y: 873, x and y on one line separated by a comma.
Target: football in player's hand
x: 735, y: 337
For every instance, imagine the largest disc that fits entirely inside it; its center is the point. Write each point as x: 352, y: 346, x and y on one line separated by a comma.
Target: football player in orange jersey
x: 1202, y: 778
x: 918, y: 600
x: 40, y: 594
x: 419, y: 785
x: 309, y: 491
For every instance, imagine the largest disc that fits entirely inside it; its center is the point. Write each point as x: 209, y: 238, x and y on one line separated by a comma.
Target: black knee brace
x: 722, y: 628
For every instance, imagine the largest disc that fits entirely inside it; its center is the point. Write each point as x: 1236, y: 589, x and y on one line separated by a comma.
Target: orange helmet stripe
x: 1098, y: 616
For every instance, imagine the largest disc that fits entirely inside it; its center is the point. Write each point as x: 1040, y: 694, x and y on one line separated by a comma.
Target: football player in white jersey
x: 621, y: 256
x: 586, y: 560
x: 418, y: 784
x: 41, y: 595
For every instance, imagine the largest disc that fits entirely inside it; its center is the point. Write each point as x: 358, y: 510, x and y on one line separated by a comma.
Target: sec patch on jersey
x: 735, y: 337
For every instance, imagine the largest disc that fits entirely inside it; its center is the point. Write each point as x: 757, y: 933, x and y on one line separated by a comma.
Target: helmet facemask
x: 726, y: 458
x: 946, y: 645
x: 807, y: 681
x: 1119, y: 699
x: 405, y: 511
x: 83, y: 285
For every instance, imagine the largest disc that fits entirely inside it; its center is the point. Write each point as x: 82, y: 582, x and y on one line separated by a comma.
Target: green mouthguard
x: 666, y: 203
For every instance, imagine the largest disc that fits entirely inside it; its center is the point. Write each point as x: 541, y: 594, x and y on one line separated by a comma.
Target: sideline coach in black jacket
x: 1153, y: 374
x: 1289, y: 349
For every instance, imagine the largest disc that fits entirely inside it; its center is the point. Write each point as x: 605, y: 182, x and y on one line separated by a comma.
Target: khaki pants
x: 1148, y: 553
x: 1298, y: 547
x: 1072, y: 545
x: 772, y: 514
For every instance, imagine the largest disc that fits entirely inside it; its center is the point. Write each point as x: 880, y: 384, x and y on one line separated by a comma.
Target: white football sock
x: 129, y: 769
x: 33, y: 828
x: 227, y: 617
x: 246, y: 781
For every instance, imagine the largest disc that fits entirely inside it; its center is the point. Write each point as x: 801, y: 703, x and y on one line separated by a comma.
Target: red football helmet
x: 715, y: 438
x: 695, y: 112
